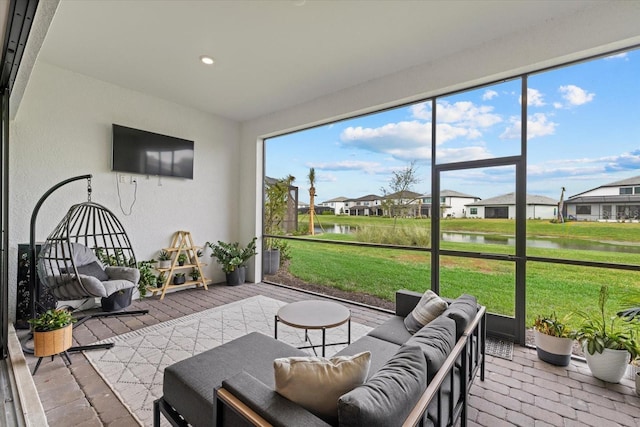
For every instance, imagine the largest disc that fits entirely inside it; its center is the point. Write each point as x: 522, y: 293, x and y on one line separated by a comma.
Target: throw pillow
x: 428, y: 308
x: 93, y: 269
x: 316, y: 383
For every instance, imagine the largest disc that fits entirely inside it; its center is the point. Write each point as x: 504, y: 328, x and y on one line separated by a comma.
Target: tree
x: 275, y: 205
x: 396, y: 198
x: 312, y: 195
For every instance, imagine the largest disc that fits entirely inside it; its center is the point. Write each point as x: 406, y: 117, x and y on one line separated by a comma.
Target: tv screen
x: 148, y: 153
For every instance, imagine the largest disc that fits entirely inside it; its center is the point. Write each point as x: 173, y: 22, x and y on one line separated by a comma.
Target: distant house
x: 402, y: 203
x: 369, y: 205
x: 505, y: 207
x: 340, y: 205
x: 619, y: 200
x: 452, y: 203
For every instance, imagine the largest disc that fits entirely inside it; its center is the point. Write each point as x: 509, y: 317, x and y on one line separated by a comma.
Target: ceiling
x: 272, y: 55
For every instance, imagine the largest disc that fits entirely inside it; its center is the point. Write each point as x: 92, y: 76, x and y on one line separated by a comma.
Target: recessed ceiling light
x: 207, y: 60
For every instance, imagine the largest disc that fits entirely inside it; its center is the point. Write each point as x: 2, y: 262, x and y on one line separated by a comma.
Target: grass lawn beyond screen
x: 550, y: 287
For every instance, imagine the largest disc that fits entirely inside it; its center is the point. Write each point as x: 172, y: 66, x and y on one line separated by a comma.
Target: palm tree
x: 312, y: 195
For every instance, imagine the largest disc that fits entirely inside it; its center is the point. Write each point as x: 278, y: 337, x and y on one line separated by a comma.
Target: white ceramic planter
x: 164, y: 264
x: 554, y: 350
x: 610, y: 365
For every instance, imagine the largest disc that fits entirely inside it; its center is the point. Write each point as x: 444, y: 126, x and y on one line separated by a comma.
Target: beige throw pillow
x: 428, y: 308
x: 316, y: 383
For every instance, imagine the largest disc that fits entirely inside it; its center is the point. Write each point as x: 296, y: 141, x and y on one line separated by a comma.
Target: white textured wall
x: 63, y: 129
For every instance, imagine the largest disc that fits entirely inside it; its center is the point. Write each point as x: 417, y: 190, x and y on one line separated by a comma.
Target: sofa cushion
x: 429, y: 307
x: 381, y: 351
x: 393, y: 330
x: 463, y: 309
x: 388, y: 397
x: 436, y: 340
x: 316, y: 383
x: 188, y: 385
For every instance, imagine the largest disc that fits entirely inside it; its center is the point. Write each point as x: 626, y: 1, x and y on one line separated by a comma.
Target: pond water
x: 496, y: 239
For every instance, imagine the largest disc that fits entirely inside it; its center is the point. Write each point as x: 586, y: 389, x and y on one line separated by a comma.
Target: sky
x: 583, y: 132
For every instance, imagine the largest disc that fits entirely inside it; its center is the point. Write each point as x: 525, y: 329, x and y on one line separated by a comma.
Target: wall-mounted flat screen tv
x: 147, y: 153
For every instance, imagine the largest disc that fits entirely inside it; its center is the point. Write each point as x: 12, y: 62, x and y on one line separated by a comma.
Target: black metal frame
x: 34, y: 289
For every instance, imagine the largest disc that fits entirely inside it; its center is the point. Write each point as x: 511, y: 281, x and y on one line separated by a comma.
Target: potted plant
x: 198, y: 255
x: 632, y: 315
x: 52, y: 332
x: 161, y: 279
x: 182, y: 258
x: 553, y: 340
x: 608, y: 344
x: 164, y: 259
x: 179, y: 279
x: 147, y: 278
x: 233, y: 258
x: 195, y: 274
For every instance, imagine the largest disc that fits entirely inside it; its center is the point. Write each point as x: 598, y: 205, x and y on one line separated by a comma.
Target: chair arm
x: 123, y: 273
x: 256, y: 402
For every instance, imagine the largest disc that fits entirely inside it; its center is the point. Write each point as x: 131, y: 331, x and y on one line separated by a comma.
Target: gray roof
x: 336, y: 199
x: 365, y: 198
x: 403, y: 195
x: 510, y: 199
x: 452, y: 193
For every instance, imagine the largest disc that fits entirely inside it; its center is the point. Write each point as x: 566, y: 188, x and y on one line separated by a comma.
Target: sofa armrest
x: 406, y: 301
x: 123, y: 273
x: 254, y: 401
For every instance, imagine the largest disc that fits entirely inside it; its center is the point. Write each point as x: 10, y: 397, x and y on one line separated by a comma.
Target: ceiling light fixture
x: 207, y: 60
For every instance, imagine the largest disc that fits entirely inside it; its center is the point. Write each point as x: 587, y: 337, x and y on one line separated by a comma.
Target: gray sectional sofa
x: 420, y: 379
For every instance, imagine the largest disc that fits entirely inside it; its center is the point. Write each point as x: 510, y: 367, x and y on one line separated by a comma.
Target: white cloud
x: 534, y: 98
x: 467, y: 114
x: 557, y: 104
x: 537, y: 125
x: 489, y: 94
x: 326, y: 177
x: 575, y: 95
x: 622, y: 55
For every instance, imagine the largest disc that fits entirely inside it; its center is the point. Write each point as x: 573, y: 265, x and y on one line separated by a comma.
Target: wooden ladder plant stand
x: 182, y: 243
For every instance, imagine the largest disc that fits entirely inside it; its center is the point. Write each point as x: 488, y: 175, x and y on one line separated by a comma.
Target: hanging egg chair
x: 89, y: 255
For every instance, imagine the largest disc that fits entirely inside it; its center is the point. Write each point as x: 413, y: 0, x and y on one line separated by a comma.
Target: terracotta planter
x: 554, y: 350
x: 53, y: 342
x: 609, y: 366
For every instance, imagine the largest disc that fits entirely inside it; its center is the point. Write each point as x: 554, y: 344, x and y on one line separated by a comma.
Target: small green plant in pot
x: 553, y: 339
x: 179, y: 279
x: 233, y: 258
x: 194, y: 273
x: 607, y: 341
x: 51, y: 332
x: 182, y: 258
x: 164, y: 259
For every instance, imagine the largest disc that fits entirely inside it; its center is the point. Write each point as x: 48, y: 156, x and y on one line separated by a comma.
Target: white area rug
x: 133, y: 368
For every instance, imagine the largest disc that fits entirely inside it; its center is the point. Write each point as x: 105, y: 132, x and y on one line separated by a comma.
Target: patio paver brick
x: 523, y: 391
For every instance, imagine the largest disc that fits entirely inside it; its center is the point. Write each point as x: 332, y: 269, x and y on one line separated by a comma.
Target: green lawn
x: 550, y: 287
